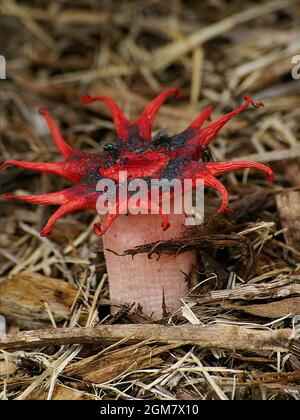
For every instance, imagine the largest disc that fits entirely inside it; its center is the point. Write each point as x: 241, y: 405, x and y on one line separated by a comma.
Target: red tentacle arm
x: 77, y: 193
x: 71, y: 199
x: 107, y: 219
x: 57, y: 198
x: 78, y: 203
x: 121, y: 122
x: 144, y: 122
x: 210, y: 132
x: 204, y: 116
x: 60, y: 142
x: 210, y: 181
x: 189, y: 140
x: 57, y: 168
x: 146, y: 119
x: 219, y: 168
x: 101, y: 228
x: 198, y: 171
x: 153, y: 208
x: 165, y: 219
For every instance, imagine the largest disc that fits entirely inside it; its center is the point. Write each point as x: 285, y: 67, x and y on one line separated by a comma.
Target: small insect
x: 108, y: 147
x: 207, y: 155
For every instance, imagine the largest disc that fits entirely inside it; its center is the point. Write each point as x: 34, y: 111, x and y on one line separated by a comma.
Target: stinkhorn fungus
x: 157, y: 285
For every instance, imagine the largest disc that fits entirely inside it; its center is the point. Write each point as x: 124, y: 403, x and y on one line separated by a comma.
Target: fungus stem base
x: 154, y: 284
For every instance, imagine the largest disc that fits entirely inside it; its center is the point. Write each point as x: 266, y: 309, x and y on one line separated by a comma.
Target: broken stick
x: 219, y: 336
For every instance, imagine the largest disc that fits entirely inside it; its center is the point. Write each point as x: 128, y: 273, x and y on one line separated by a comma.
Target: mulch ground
x: 237, y: 333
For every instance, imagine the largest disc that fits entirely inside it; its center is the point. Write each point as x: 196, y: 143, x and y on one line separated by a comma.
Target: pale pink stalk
x: 149, y: 282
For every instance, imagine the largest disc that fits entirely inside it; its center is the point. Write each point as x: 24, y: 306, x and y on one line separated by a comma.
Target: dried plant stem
x: 222, y: 336
x: 166, y: 55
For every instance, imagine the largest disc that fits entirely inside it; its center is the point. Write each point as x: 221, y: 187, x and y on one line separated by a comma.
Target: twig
x: 220, y: 336
x: 279, y: 288
x: 274, y: 155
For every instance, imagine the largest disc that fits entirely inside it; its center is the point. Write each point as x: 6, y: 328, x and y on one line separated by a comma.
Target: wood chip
x: 105, y: 367
x: 23, y: 298
x: 62, y: 393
